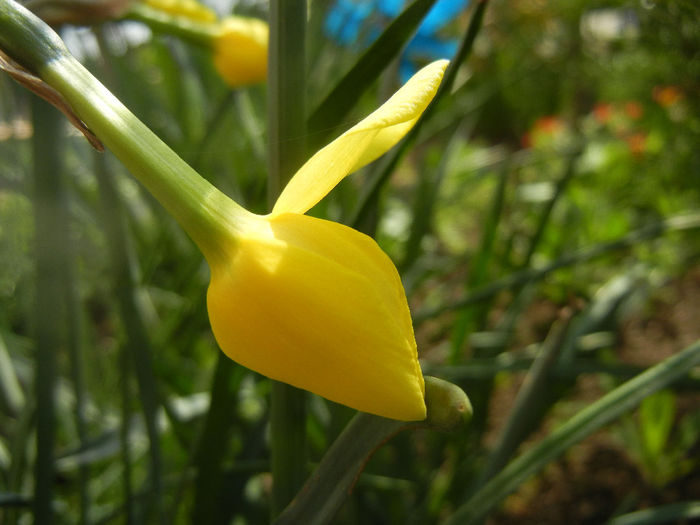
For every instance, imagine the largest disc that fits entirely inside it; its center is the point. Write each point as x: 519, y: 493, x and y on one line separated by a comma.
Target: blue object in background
x: 347, y: 18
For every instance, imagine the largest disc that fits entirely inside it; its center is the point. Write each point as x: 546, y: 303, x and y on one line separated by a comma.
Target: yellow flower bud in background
x: 238, y: 45
x: 190, y: 9
x: 240, y: 50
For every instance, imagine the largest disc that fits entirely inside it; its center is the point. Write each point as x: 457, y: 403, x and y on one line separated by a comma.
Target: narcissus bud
x: 240, y: 50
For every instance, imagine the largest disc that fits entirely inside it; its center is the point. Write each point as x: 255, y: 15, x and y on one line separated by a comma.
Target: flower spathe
x: 317, y: 304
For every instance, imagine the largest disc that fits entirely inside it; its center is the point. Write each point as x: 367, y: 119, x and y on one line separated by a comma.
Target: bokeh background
x: 545, y: 223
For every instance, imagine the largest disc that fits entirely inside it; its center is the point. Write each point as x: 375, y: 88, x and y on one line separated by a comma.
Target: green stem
x: 213, y: 443
x: 204, y: 212
x: 287, y: 128
x: 50, y: 263
x: 138, y: 345
x: 196, y: 32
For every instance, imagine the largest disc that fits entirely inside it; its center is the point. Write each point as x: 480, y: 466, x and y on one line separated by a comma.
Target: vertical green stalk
x: 287, y: 130
x: 138, y: 345
x: 124, y: 431
x: 213, y: 443
x: 50, y: 263
x: 75, y: 344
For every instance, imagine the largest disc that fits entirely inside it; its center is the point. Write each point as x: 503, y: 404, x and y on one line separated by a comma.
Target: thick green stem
x: 287, y: 128
x: 204, y: 212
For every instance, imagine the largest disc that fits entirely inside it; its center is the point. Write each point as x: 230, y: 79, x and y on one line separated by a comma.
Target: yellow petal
x: 361, y: 144
x: 240, y: 50
x: 318, y: 305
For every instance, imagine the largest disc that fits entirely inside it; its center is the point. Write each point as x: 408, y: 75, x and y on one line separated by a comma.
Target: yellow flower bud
x: 240, y: 50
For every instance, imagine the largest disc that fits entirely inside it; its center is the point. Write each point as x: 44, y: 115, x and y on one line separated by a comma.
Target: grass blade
x: 674, y: 512
x: 138, y: 344
x: 51, y: 230
x: 214, y: 441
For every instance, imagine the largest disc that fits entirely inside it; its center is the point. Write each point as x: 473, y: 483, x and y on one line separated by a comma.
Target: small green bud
x: 448, y: 405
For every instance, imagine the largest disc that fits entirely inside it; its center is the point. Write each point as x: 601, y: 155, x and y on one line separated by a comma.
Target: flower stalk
x: 287, y: 151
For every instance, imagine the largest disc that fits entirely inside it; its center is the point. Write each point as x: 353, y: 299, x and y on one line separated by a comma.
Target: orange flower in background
x: 544, y: 129
x: 667, y: 96
x: 636, y: 142
x: 602, y: 112
x: 634, y: 110
x: 548, y: 125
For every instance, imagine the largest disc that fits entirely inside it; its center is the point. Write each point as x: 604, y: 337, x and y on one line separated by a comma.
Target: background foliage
x: 544, y: 222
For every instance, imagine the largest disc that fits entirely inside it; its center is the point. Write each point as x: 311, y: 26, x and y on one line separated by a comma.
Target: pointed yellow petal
x: 318, y: 305
x: 240, y: 50
x: 362, y: 143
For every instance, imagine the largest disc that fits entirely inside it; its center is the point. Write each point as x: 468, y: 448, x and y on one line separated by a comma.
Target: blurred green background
x: 545, y: 223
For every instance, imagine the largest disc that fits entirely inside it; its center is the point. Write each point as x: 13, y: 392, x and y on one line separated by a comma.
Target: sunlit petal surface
x: 318, y: 305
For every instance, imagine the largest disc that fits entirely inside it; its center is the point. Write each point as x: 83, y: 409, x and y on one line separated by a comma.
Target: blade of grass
x: 213, y: 443
x: 682, y: 222
x: 469, y: 318
x: 137, y: 344
x: 674, y: 512
x: 608, y: 408
x: 335, y: 106
x: 75, y: 347
x: 527, y: 410
x: 51, y: 234
x: 124, y: 432
x: 559, y: 190
x: 426, y: 196
x: 10, y: 390
x: 19, y: 449
x: 287, y: 137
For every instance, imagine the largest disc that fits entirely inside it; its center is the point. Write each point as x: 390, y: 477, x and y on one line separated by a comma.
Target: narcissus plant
x: 299, y: 299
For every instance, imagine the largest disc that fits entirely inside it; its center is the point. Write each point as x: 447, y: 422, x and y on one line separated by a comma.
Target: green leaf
x: 675, y: 512
x: 656, y: 415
